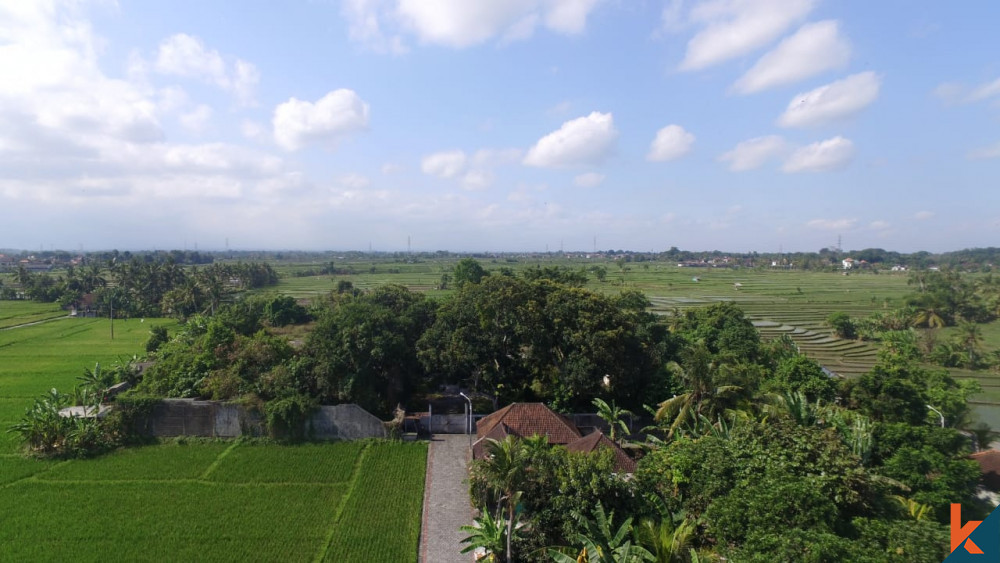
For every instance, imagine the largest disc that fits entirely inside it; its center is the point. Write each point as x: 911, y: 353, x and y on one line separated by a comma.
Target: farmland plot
x: 216, y: 501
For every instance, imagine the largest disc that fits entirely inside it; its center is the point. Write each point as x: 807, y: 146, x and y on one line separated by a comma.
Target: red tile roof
x: 989, y: 464
x: 530, y: 419
x: 597, y: 440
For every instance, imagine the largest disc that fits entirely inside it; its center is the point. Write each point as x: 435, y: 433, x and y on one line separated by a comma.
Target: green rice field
x: 13, y: 313
x: 194, y: 500
x: 216, y: 501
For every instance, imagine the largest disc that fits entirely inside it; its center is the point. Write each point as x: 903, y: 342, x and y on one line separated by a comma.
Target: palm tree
x: 928, y: 317
x: 971, y: 338
x: 614, y: 416
x: 504, y: 473
x: 705, y: 396
x: 23, y: 276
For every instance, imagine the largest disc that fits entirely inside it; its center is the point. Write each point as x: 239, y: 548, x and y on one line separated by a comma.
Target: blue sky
x: 499, y: 124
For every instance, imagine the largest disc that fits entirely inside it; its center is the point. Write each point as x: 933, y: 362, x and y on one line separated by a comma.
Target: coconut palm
x: 704, y: 397
x: 928, y: 317
x: 504, y: 472
x: 970, y: 336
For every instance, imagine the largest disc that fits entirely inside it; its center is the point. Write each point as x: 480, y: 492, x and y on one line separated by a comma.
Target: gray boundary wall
x: 189, y: 417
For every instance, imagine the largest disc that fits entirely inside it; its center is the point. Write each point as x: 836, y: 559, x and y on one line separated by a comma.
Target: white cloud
x: 832, y: 224
x: 245, y: 82
x: 364, y: 19
x: 985, y: 91
x: 382, y: 24
x: 339, y: 113
x: 55, y: 102
x: 923, y: 215
x: 754, y: 153
x: 184, y: 55
x: 496, y: 157
x: 197, y: 119
x: 733, y: 28
x: 446, y: 164
x: 814, y: 48
x: 823, y: 156
x: 584, y: 141
x: 475, y: 172
x: 833, y: 102
x: 568, y: 16
x: 992, y: 151
x: 949, y: 92
x: 353, y: 181
x: 477, y: 179
x: 671, y: 143
x: 879, y: 225
x: 588, y: 180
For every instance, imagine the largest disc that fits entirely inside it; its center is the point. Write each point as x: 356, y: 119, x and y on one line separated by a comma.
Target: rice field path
x: 37, y: 322
x: 446, y: 500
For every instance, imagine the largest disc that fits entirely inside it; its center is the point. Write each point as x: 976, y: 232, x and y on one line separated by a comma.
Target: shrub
x: 157, y: 337
x: 842, y: 325
x: 286, y: 417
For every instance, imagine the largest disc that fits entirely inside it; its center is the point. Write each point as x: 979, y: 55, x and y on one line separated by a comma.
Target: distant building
x: 848, y: 263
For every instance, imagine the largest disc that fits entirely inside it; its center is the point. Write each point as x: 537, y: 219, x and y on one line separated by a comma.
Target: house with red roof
x: 524, y: 420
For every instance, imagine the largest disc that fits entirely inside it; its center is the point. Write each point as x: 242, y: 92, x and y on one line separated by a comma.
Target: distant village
x: 34, y: 263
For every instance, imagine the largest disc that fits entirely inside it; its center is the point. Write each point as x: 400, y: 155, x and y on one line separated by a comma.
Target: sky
x: 499, y: 125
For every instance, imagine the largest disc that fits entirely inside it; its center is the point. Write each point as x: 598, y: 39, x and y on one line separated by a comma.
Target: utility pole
x: 468, y: 424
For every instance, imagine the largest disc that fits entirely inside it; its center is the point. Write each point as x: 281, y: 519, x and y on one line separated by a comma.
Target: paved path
x: 446, y: 500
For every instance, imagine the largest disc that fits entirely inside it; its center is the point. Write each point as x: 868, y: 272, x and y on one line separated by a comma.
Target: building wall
x: 188, y: 417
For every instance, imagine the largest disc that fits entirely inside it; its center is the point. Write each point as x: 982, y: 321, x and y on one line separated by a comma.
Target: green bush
x: 157, y: 337
x: 842, y: 325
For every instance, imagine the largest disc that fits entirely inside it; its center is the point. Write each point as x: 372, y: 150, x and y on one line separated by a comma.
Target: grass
x: 214, y: 501
x: 178, y: 521
x: 167, y: 462
x: 308, y: 463
x: 14, y: 313
x: 15, y: 468
x: 54, y: 354
x: 371, y: 517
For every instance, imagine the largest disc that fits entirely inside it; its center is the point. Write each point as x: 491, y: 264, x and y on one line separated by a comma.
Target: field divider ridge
x: 218, y: 460
x: 321, y: 554
x: 34, y: 476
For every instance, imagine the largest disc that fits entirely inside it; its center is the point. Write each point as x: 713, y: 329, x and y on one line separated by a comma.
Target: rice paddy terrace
x: 798, y: 303
x: 793, y: 304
